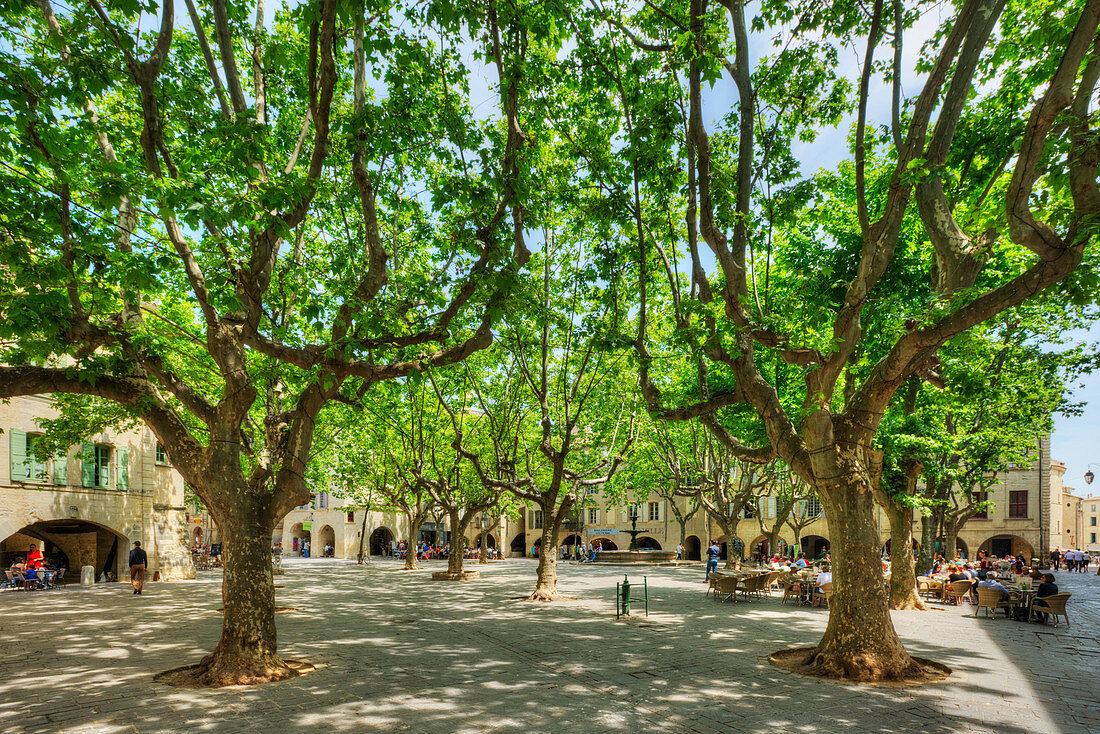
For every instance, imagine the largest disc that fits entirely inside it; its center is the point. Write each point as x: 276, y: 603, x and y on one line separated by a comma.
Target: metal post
x: 645, y: 585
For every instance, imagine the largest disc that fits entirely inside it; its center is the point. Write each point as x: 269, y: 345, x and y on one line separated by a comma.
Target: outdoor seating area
x: 1025, y: 594
x: 806, y: 586
x: 31, y: 579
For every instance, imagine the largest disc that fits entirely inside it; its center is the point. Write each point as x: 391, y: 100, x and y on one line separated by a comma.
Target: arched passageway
x: 647, y: 543
x: 381, y: 541
x: 693, y: 548
x: 71, y: 544
x: 814, y: 546
x: 517, y: 546
x: 606, y: 544
x: 1008, y: 545
x: 327, y: 542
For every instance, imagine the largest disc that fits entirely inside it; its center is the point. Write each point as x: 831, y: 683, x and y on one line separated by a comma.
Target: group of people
x: 582, y: 552
x: 33, y: 570
x: 1074, y: 560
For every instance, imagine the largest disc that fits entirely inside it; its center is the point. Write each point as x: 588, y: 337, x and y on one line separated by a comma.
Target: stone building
x: 329, y: 521
x: 86, y: 508
x: 1066, y: 524
x: 1090, y: 523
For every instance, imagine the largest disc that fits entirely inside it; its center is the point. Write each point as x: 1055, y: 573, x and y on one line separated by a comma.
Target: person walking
x: 712, y: 559
x: 138, y: 562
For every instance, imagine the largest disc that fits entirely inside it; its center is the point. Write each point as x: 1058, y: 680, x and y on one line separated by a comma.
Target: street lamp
x: 1089, y: 476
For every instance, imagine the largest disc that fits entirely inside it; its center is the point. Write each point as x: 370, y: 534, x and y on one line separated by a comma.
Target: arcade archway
x: 1008, y: 545
x: 327, y: 542
x: 606, y: 544
x: 518, y: 546
x: 647, y: 543
x: 381, y: 541
x: 71, y: 544
x: 814, y: 546
x: 693, y: 548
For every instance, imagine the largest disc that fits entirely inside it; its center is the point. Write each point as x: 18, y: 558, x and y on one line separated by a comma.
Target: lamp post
x: 1089, y: 476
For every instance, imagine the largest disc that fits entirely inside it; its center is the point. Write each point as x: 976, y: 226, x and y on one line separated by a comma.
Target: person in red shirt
x: 34, y: 558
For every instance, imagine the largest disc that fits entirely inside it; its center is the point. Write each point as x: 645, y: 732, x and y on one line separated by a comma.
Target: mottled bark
x: 860, y: 642
x: 458, y: 541
x: 546, y: 588
x: 246, y: 652
x: 903, y: 577
x: 415, y: 524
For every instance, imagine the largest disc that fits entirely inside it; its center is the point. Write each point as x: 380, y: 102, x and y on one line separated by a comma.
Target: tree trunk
x: 860, y: 642
x: 903, y: 576
x: 410, y: 544
x: 458, y: 542
x: 546, y: 588
x: 246, y: 653
x: 927, y: 542
x: 731, y: 535
x: 950, y: 539
x: 362, y: 536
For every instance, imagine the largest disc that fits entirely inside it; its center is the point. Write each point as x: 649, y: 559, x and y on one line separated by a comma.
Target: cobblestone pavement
x: 397, y: 652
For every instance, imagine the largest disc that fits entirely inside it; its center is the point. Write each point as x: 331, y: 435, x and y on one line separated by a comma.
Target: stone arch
x: 573, y: 539
x: 606, y: 543
x: 327, y: 537
x: 693, y: 548
x: 490, y: 540
x: 760, y: 548
x: 196, y: 535
x: 814, y: 546
x: 648, y: 543
x: 72, y: 541
x: 518, y: 545
x: 1004, y: 544
x: 298, y: 536
x: 961, y: 548
x: 381, y: 541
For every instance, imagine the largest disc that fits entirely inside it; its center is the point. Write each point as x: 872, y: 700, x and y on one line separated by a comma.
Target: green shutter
x: 123, y: 469
x: 87, y: 464
x: 61, y: 468
x: 18, y: 455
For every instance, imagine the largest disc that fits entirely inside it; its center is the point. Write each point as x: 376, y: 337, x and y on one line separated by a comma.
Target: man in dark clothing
x: 1046, y: 588
x: 138, y: 562
x: 712, y: 558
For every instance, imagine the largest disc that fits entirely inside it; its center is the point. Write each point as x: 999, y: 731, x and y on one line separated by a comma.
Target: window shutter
x: 18, y: 455
x: 771, y: 507
x: 87, y: 464
x: 123, y: 468
x: 61, y: 468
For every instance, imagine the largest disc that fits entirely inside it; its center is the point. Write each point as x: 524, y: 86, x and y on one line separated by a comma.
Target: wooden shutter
x: 123, y: 455
x: 771, y: 507
x: 87, y: 464
x: 61, y: 468
x: 18, y: 455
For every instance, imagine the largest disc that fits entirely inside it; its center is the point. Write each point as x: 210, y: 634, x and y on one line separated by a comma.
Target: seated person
x: 822, y: 578
x: 1018, y: 568
x: 991, y: 583
x: 968, y: 571
x: 1047, y: 587
x: 955, y: 574
x: 801, y: 563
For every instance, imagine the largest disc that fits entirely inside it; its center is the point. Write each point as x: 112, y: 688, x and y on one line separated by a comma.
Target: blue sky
x: 1076, y: 440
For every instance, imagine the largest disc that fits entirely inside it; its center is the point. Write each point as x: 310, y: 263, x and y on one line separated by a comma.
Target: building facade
x: 88, y: 506
x: 1090, y: 523
x: 328, y: 521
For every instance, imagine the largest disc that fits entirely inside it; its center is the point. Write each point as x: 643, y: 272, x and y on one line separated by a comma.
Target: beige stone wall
x: 1090, y: 523
x: 150, y: 510
x: 346, y: 535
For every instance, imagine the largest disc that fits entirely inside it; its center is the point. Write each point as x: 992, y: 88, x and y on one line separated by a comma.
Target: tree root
x: 863, y: 668
x: 544, y: 594
x: 212, y: 673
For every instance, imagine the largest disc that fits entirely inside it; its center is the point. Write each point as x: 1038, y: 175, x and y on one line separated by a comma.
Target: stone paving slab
x: 397, y: 652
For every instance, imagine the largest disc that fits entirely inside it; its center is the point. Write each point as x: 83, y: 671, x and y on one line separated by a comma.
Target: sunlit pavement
x: 397, y: 652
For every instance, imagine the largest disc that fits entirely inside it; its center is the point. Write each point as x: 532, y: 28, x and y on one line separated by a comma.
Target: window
x: 982, y: 514
x: 351, y: 515
x: 749, y: 511
x: 322, y: 501
x: 536, y: 519
x: 1092, y: 521
x: 591, y: 515
x: 813, y: 507
x: 632, y: 511
x: 162, y: 455
x: 95, y: 460
x: 1092, y: 537
x: 25, y: 467
x: 1017, y: 504
x: 654, y: 511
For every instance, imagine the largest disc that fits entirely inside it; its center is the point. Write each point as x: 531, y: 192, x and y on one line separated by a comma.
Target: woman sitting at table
x: 1018, y: 568
x: 955, y: 574
x: 822, y: 578
x: 1046, y: 588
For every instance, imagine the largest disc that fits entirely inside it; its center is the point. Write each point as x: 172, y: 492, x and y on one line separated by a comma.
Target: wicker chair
x: 826, y: 592
x: 713, y: 588
x: 1054, y: 605
x: 726, y: 588
x: 752, y: 585
x: 956, y: 591
x: 792, y: 586
x: 991, y: 599
x: 772, y: 579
